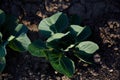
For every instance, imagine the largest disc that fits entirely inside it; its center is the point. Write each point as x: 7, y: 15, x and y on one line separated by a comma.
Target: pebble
x: 97, y: 58
x: 116, y: 49
x: 111, y: 70
x: 56, y: 72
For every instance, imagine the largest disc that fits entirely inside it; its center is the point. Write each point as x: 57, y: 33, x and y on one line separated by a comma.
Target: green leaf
x: 2, y: 63
x: 61, y: 63
x: 44, y: 28
x: 2, y: 17
x: 56, y: 36
x: 56, y: 23
x: 10, y: 24
x: 0, y: 36
x: 37, y: 48
x: 2, y: 50
x: 11, y: 27
x: 66, y: 41
x: 85, y: 50
x: 69, y: 47
x: 81, y: 33
x: 88, y: 47
x: 54, y: 42
x: 20, y: 43
x: 20, y: 29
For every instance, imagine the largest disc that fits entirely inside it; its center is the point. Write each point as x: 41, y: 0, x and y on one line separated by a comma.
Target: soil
x: 103, y: 16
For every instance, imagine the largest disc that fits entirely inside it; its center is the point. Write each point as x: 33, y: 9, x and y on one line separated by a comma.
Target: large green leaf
x: 81, y: 33
x: 61, y: 63
x: 37, y: 48
x: 2, y: 17
x: 54, y: 40
x: 44, y: 28
x: 85, y: 49
x: 2, y: 63
x: 20, y: 43
x: 2, y: 50
x: 56, y: 23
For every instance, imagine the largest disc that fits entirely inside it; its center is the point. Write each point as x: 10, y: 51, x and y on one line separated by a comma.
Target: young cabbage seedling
x: 14, y: 36
x: 60, y: 39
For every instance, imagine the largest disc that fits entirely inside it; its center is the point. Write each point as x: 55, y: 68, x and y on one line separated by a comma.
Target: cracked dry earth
x: 103, y: 16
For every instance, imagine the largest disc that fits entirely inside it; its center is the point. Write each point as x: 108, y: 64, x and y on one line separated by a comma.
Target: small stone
x: 38, y: 73
x: 65, y: 78
x: 112, y: 35
x: 39, y: 13
x: 78, y: 73
x: 116, y: 24
x: 30, y: 73
x: 111, y: 70
x: 117, y: 54
x: 85, y: 65
x: 94, y: 73
x: 58, y: 78
x: 116, y: 49
x: 104, y: 66
x: 111, y: 26
x: 56, y: 72
x: 42, y: 75
x: 97, y: 58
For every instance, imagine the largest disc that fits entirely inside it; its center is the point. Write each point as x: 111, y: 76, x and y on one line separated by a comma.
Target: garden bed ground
x: 103, y: 16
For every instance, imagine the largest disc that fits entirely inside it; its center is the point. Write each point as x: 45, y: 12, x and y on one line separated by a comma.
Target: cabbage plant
x: 12, y: 34
x: 60, y: 39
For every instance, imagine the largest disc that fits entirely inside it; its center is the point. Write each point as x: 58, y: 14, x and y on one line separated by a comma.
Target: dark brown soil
x: 103, y: 16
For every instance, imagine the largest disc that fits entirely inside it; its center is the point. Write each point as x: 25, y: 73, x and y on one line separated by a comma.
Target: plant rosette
x: 59, y: 39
